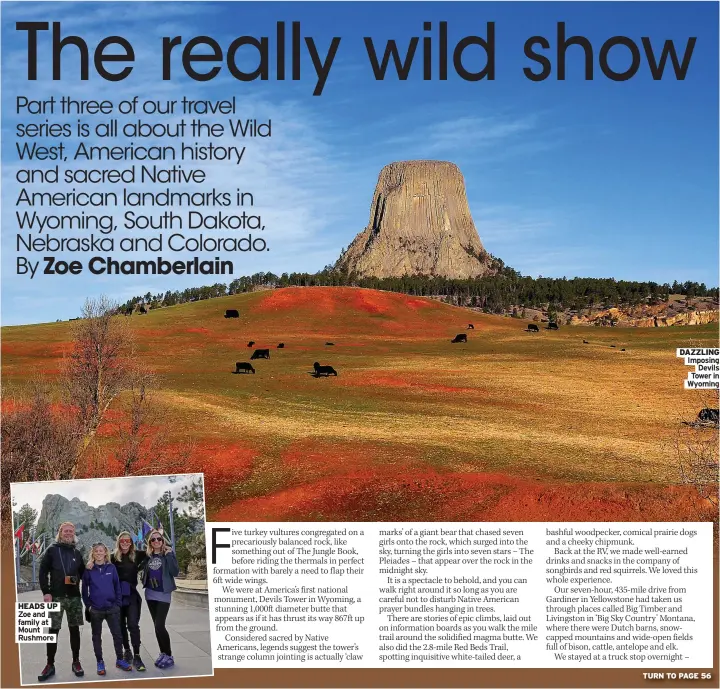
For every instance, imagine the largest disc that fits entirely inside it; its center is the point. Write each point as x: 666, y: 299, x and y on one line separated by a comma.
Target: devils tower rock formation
x: 420, y: 224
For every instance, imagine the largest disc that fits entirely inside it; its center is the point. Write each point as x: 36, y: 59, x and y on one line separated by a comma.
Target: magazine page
x: 360, y: 344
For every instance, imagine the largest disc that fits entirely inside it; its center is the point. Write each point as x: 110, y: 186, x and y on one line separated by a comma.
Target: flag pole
x: 172, y: 526
x: 34, y: 557
x: 17, y: 561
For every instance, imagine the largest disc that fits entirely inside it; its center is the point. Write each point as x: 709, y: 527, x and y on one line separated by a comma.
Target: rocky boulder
x: 652, y: 316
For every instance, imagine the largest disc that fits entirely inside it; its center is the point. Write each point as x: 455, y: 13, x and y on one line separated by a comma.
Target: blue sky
x: 564, y: 178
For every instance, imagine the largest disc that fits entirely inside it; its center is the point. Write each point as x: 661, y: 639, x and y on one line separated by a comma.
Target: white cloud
x: 462, y: 134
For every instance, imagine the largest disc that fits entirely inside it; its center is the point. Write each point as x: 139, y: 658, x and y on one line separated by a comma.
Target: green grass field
x: 510, y: 426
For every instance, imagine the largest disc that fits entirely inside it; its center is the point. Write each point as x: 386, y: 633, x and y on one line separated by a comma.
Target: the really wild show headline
x: 279, y: 57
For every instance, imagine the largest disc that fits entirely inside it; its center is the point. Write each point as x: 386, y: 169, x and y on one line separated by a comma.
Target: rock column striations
x: 420, y: 224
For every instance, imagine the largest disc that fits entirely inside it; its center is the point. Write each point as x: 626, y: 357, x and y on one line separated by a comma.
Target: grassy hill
x: 510, y: 426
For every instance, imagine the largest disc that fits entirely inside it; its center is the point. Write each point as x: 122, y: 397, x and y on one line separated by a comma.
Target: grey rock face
x: 92, y: 524
x: 197, y: 569
x: 420, y: 224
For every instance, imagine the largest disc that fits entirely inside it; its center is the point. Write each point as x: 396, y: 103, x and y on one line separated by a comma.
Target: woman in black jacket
x: 128, y: 561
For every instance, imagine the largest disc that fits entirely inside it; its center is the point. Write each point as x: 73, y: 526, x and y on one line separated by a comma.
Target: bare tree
x: 46, y: 434
x: 696, y: 450
x: 697, y: 453
x: 137, y: 434
x: 100, y: 366
x: 38, y: 440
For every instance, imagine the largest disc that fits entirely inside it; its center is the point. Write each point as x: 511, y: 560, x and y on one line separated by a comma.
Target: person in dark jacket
x: 102, y: 596
x: 128, y: 561
x: 159, y: 582
x: 61, y: 569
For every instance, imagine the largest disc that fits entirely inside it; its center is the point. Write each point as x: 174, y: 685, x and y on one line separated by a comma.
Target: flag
x: 146, y: 529
x: 160, y: 527
x: 19, y: 532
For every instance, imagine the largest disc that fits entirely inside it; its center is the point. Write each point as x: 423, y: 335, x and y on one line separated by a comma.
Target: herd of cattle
x: 533, y: 328
x: 706, y: 417
x: 246, y: 367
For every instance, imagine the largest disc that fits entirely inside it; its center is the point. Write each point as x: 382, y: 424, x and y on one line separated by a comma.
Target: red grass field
x: 510, y: 426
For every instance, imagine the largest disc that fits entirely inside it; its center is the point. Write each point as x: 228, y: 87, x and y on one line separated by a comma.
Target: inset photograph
x: 125, y: 558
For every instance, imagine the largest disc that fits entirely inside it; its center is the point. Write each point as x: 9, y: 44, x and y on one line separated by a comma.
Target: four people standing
x: 109, y: 591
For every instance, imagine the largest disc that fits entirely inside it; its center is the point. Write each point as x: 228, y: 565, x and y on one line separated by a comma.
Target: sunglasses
x: 125, y: 540
x: 157, y: 538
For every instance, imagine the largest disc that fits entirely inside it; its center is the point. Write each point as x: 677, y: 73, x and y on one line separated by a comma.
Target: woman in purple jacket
x: 102, y: 596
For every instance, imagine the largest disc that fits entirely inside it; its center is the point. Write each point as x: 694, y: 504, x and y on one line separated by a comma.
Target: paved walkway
x: 189, y: 629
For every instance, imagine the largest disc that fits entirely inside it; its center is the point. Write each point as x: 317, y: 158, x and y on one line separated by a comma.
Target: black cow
x: 261, y: 354
x: 711, y: 415
x: 585, y: 342
x: 323, y: 370
x: 329, y: 344
x: 553, y: 326
x: 143, y: 309
x: 623, y: 349
x: 471, y: 326
x: 232, y: 313
x: 281, y: 345
x: 460, y: 337
x: 244, y: 366
x: 251, y: 343
x: 532, y: 328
